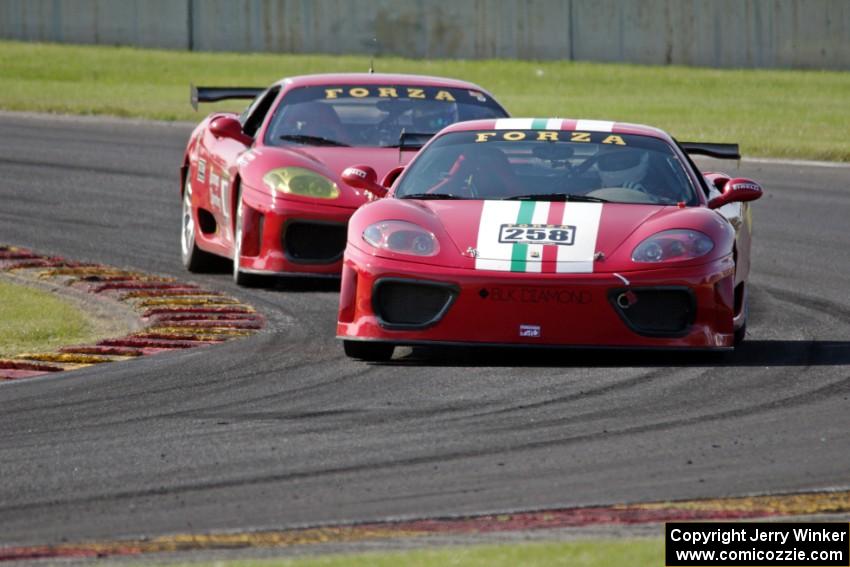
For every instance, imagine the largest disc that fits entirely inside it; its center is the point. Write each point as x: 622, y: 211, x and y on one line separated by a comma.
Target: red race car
x: 549, y: 232
x: 263, y: 187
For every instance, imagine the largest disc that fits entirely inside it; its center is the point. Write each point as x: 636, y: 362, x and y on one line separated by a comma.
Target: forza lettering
x: 536, y: 295
x: 389, y: 92
x: 546, y: 136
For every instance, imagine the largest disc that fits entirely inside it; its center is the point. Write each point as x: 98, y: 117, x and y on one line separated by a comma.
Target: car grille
x: 656, y: 311
x: 406, y: 304
x: 314, y: 242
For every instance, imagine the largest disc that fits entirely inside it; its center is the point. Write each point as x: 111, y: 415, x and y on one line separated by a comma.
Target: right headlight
x: 302, y: 182
x: 401, y: 237
x: 673, y: 245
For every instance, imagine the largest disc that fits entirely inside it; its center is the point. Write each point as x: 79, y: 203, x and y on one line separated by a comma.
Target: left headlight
x: 302, y: 182
x: 673, y: 245
x: 401, y: 237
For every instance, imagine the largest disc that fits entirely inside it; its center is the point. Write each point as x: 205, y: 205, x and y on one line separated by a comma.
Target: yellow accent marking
x: 70, y: 358
x: 359, y: 92
x: 385, y: 92
x: 178, y: 301
x: 513, y: 136
x: 613, y: 139
x: 444, y: 95
x: 484, y: 136
x: 332, y: 93
x: 580, y: 137
x: 784, y: 504
x: 547, y: 136
x: 198, y: 331
x: 415, y: 93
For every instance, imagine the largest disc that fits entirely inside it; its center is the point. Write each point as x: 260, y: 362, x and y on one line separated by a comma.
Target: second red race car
x: 552, y: 232
x: 263, y: 187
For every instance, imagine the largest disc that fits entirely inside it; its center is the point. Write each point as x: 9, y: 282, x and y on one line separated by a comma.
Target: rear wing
x: 413, y: 140
x: 215, y: 94
x: 719, y: 151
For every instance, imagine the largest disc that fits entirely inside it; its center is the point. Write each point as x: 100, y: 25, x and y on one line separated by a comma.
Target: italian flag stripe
x: 538, y: 124
x: 513, y: 124
x: 520, y: 251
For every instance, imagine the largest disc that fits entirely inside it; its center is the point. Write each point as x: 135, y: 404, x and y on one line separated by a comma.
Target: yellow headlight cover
x: 302, y: 182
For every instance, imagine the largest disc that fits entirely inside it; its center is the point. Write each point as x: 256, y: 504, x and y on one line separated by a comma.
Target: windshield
x: 549, y: 165
x: 372, y: 115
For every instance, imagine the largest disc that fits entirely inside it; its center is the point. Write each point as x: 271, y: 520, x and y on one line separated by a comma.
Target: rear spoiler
x: 719, y: 151
x: 413, y: 140
x: 214, y: 94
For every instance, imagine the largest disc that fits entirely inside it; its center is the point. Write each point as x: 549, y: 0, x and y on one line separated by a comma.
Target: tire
x: 368, y: 351
x: 194, y: 259
x: 741, y: 332
x: 239, y: 277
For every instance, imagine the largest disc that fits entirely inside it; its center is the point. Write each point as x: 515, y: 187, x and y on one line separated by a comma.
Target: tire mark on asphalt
x: 824, y: 392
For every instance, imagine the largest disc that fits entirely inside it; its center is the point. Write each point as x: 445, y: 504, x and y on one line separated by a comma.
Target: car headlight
x: 401, y: 237
x: 302, y: 182
x: 673, y: 245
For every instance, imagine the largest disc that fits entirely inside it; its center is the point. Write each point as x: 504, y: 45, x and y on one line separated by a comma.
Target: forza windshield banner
x: 756, y: 543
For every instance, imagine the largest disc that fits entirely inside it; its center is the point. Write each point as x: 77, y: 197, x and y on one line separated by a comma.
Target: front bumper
x: 487, y: 308
x: 286, y: 236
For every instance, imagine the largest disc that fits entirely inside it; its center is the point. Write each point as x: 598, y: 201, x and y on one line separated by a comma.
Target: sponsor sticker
x: 549, y: 136
x: 389, y: 92
x: 529, y: 330
x: 202, y: 170
x: 533, y: 295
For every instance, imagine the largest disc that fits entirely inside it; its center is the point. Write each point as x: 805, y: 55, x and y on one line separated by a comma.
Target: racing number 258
x: 539, y: 234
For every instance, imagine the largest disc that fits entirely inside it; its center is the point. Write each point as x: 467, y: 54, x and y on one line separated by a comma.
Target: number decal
x: 561, y: 235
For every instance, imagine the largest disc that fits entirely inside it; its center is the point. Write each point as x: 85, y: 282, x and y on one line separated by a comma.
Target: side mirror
x: 229, y: 127
x: 364, y: 177
x: 393, y: 174
x: 737, y: 190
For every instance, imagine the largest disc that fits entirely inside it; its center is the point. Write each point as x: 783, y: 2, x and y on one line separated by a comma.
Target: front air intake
x: 314, y: 242
x: 658, y: 311
x: 411, y: 304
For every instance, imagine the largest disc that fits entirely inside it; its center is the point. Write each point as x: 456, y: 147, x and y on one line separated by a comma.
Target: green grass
x: 32, y: 320
x: 594, y: 553
x: 800, y: 114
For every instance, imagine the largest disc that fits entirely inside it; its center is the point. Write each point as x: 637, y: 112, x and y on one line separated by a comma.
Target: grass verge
x: 32, y: 320
x: 590, y: 553
x: 778, y: 113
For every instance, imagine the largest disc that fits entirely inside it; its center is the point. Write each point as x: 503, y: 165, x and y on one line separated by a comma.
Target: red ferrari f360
x: 263, y: 187
x: 549, y: 232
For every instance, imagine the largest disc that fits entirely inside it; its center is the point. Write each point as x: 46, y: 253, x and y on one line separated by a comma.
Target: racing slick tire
x: 194, y: 259
x: 368, y: 351
x: 741, y: 331
x: 239, y: 277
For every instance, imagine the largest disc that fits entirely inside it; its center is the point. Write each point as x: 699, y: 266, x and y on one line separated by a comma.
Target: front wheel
x: 368, y: 351
x: 194, y: 259
x: 240, y: 277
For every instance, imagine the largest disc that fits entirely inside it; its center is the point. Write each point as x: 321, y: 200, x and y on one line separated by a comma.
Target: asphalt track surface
x: 281, y: 430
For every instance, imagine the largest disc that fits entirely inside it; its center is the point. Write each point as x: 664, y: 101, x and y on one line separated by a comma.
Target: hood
x: 327, y: 161
x: 525, y: 236
x: 382, y: 160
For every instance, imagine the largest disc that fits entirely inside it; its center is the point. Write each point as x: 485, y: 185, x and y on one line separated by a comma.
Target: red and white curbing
x: 176, y: 315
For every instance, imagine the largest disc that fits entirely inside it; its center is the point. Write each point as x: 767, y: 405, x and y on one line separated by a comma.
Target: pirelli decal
x: 537, y: 236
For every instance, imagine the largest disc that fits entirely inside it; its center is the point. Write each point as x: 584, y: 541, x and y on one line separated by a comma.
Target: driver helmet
x: 431, y: 116
x: 621, y: 166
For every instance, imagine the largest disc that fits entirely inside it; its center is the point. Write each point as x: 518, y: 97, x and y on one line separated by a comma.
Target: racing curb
x: 174, y: 315
x: 778, y: 506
